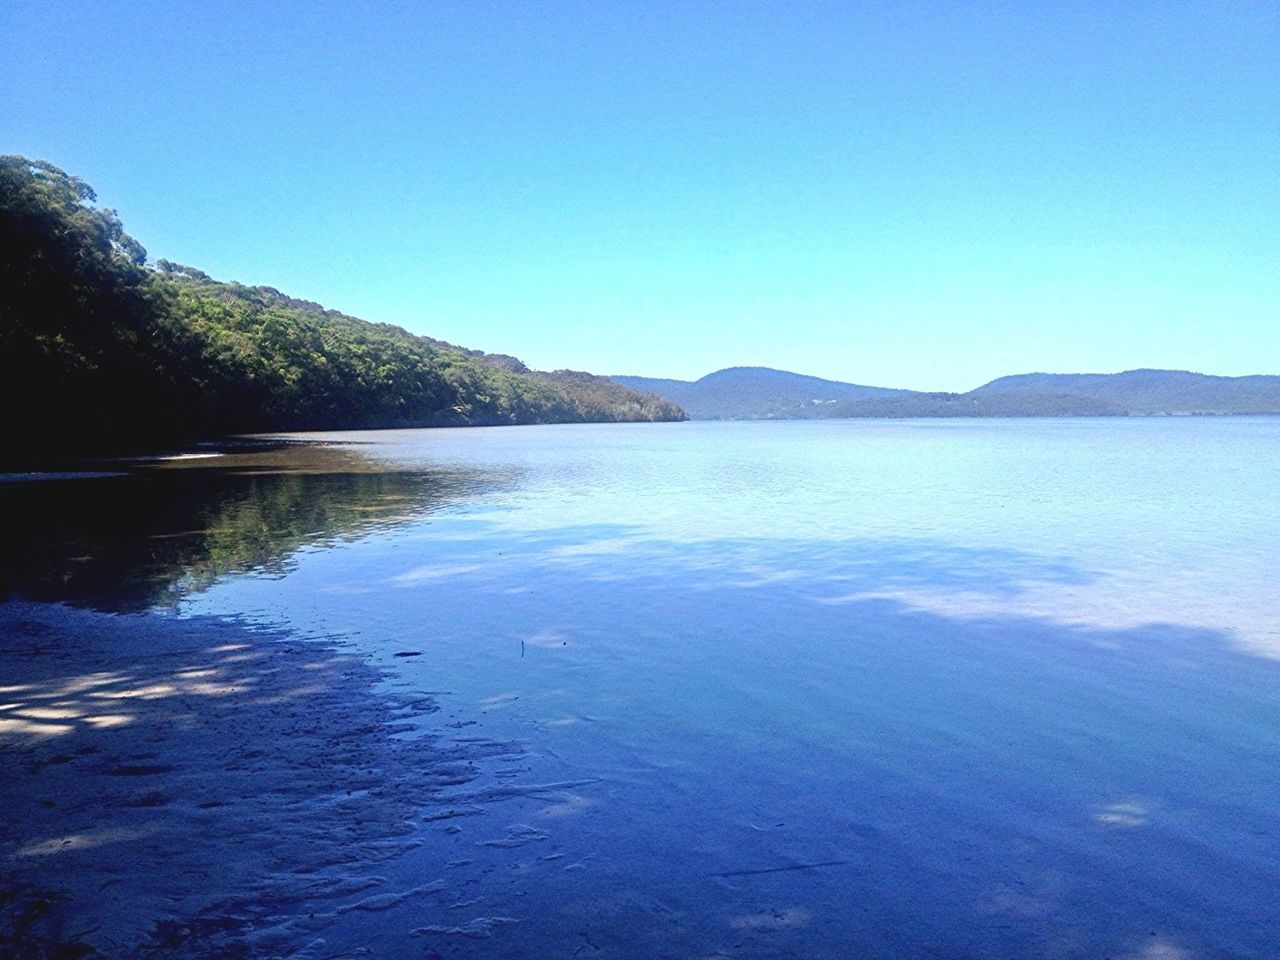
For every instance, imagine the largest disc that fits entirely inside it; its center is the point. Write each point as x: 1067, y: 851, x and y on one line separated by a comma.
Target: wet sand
x: 203, y: 787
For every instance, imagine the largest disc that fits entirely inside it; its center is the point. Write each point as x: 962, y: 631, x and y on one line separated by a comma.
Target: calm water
x: 869, y: 689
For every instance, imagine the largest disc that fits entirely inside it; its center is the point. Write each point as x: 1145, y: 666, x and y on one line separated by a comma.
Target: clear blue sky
x: 923, y: 195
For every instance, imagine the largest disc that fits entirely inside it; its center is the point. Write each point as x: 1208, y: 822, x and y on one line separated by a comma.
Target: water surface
x: 877, y: 689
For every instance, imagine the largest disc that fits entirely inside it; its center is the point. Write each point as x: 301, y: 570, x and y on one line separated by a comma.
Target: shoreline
x: 34, y: 467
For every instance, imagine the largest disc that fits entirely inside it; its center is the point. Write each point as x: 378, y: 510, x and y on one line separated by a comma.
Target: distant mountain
x: 1148, y: 391
x: 755, y: 393
x: 758, y: 393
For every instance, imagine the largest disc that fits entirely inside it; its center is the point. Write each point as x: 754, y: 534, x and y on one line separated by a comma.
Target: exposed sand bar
x: 198, y: 787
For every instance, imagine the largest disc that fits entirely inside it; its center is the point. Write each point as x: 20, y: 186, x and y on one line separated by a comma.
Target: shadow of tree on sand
x: 201, y: 787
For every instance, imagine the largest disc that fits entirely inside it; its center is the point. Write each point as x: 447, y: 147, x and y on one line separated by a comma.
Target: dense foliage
x: 98, y: 350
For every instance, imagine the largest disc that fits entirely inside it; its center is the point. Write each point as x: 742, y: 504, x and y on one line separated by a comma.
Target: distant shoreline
x: 86, y: 464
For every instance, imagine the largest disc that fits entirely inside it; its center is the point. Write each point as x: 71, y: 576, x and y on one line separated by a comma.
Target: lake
x: 880, y: 689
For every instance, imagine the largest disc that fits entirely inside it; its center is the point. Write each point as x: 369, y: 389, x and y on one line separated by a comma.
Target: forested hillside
x: 101, y: 352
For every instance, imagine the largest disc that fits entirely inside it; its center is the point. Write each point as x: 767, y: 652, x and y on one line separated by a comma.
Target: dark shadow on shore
x: 201, y: 788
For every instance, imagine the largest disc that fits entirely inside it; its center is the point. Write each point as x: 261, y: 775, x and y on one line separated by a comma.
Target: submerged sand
x: 204, y: 787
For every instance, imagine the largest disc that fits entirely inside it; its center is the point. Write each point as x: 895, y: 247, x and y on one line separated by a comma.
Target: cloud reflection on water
x: 830, y: 573
x: 951, y: 580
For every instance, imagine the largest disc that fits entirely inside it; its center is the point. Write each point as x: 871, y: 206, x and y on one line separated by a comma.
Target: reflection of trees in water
x: 160, y: 530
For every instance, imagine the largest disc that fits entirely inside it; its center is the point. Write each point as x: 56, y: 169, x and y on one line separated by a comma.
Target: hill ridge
x: 753, y: 393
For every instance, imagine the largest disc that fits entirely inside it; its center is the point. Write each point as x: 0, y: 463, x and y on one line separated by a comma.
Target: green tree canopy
x: 97, y: 350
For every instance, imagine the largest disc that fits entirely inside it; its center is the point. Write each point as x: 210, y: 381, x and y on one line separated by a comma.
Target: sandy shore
x: 203, y: 788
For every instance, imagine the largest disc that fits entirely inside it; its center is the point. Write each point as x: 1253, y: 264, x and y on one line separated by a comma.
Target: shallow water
x: 876, y: 689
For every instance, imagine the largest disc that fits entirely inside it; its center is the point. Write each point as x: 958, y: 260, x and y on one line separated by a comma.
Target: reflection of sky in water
x: 1160, y: 520
x: 982, y: 688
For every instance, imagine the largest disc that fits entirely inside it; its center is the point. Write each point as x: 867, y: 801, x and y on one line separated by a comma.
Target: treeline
x: 101, y: 352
